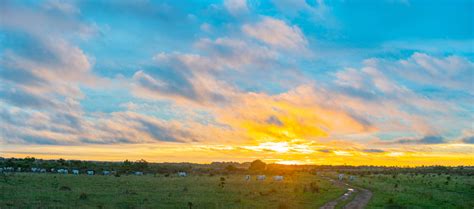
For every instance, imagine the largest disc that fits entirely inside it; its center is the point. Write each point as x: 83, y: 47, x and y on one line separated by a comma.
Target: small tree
x: 230, y: 168
x: 257, y: 165
x: 141, y: 165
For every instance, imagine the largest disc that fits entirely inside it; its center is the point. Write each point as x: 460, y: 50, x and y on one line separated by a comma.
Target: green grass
x: 419, y: 191
x: 52, y: 191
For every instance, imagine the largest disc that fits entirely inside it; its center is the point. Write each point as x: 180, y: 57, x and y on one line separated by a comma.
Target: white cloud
x: 452, y: 71
x: 277, y: 33
x: 236, y: 7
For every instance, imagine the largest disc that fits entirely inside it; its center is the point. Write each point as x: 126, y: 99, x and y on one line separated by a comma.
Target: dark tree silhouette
x: 257, y: 165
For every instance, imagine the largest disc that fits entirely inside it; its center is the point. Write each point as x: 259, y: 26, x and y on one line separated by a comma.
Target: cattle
x: 247, y: 178
x: 52, y: 170
x: 352, y: 178
x: 42, y: 170
x: 278, y: 178
x: 90, y: 172
x: 182, y: 174
x: 105, y: 173
x: 75, y: 172
x: 138, y: 173
x: 63, y: 171
x: 34, y: 170
x: 341, y: 177
x: 261, y: 177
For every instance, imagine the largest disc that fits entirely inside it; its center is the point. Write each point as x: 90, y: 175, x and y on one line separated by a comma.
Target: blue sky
x: 394, y: 75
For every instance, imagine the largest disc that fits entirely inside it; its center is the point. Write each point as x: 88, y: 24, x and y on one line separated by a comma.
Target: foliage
x: 29, y: 190
x: 257, y: 165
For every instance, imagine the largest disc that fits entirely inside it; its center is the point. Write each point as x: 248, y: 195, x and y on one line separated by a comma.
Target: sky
x: 386, y: 82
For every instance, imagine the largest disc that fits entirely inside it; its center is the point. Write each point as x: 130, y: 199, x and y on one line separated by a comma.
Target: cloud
x: 181, y: 87
x: 64, y: 7
x: 236, y: 7
x: 317, y: 12
x: 202, y: 78
x: 325, y: 150
x: 451, y: 72
x: 73, y: 128
x: 38, y: 63
x: 23, y: 98
x: 273, y: 120
x: 373, y: 150
x: 50, y: 18
x: 235, y: 54
x: 468, y: 140
x: 385, y: 97
x: 423, y: 140
x: 277, y: 33
x: 39, y: 67
x: 299, y: 112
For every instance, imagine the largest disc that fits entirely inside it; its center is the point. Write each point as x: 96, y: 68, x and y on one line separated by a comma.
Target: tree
x: 230, y: 168
x: 126, y: 166
x: 257, y: 165
x: 141, y: 165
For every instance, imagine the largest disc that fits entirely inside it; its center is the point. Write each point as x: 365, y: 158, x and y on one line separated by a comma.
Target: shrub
x: 283, y: 205
x: 314, y: 187
x: 83, y: 196
x: 65, y: 188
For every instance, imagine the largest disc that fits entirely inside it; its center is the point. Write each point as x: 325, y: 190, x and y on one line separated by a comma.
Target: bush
x: 65, y: 188
x: 83, y: 196
x: 283, y: 205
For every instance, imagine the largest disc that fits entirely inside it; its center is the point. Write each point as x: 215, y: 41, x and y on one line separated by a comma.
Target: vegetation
x: 30, y: 190
x: 223, y: 185
x: 419, y: 190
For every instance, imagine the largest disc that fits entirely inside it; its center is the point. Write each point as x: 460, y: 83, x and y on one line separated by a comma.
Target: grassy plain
x: 27, y: 190
x: 419, y: 191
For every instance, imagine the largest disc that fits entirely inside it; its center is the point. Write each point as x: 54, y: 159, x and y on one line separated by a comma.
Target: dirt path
x: 362, y: 197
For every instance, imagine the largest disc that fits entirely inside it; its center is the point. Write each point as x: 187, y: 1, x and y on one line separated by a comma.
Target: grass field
x: 419, y: 191
x: 68, y: 191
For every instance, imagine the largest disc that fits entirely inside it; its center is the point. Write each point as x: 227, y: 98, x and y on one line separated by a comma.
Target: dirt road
x: 362, y: 197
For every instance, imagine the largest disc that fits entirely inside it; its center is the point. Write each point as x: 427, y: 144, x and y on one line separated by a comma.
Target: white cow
x: 247, y: 178
x: 278, y: 178
x: 34, y: 170
x: 42, y: 170
x: 182, y: 174
x: 75, y: 172
x: 90, y: 172
x: 352, y: 178
x: 105, y: 173
x: 341, y: 177
x: 63, y: 171
x: 138, y: 173
x: 261, y: 177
